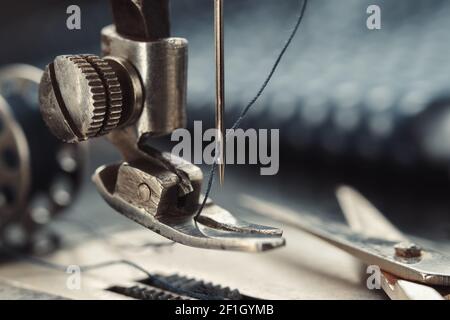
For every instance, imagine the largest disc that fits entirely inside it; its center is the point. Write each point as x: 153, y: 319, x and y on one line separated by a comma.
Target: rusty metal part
x: 162, y: 66
x: 142, y: 20
x: 407, y: 250
x: 220, y: 86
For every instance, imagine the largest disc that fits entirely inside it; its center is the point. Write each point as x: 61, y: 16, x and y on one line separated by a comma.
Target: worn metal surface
x: 162, y: 66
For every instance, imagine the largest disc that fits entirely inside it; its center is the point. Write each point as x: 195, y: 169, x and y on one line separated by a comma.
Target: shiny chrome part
x: 432, y: 268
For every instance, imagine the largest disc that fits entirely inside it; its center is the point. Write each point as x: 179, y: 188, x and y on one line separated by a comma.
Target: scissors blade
x: 364, y: 218
x: 432, y: 268
x: 398, y: 289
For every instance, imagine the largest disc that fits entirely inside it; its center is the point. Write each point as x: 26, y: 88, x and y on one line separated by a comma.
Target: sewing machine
x: 149, y: 186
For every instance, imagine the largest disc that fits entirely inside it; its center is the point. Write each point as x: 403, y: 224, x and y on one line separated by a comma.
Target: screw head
x: 80, y: 97
x: 407, y: 250
x: 144, y: 192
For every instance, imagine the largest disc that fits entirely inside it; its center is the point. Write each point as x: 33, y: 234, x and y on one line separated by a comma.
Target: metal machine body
x: 136, y: 91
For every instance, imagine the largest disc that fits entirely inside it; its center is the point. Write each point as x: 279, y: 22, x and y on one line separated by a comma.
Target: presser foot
x: 150, y: 195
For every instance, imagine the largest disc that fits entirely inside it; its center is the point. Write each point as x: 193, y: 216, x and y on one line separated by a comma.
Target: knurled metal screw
x: 84, y: 96
x: 407, y: 250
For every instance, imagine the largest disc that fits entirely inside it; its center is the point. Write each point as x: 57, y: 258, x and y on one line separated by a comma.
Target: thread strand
x: 253, y: 101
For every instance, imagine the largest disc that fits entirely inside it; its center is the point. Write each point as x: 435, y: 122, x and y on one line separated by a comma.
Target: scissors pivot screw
x: 407, y: 250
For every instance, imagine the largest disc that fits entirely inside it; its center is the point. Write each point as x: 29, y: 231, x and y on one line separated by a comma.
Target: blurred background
x: 356, y: 106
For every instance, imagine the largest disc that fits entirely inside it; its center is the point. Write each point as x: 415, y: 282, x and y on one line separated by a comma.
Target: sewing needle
x: 220, y: 86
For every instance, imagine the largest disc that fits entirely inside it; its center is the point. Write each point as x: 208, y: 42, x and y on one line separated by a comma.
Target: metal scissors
x: 408, y: 271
